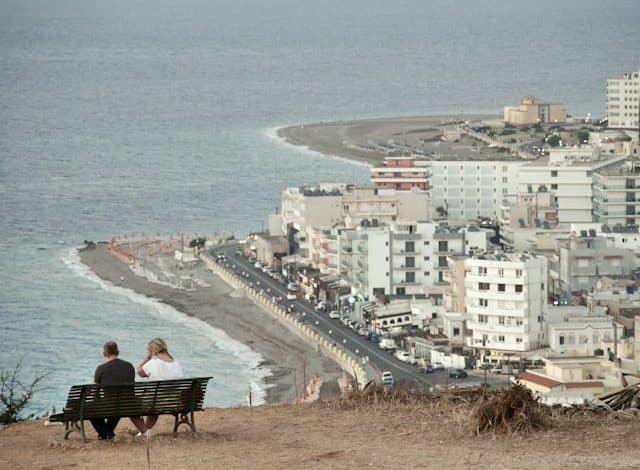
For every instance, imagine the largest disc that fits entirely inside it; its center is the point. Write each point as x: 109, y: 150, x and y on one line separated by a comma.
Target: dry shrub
x: 510, y: 410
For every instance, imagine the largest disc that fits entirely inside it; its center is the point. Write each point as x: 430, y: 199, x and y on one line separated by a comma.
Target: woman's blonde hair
x: 158, y: 345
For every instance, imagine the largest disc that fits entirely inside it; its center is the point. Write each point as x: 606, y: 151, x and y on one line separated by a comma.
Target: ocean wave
x: 271, y: 134
x: 254, y: 372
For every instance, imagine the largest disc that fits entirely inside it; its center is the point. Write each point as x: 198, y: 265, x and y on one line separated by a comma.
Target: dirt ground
x: 328, y: 435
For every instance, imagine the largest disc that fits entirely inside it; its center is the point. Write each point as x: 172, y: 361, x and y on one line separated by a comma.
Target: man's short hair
x: 110, y: 348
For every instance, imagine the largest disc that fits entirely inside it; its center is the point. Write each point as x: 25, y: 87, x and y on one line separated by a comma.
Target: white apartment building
x: 338, y: 204
x: 616, y: 194
x: 506, y: 296
x: 575, y: 332
x: 395, y: 260
x: 568, y: 173
x: 404, y: 258
x: 469, y: 189
x: 623, y: 101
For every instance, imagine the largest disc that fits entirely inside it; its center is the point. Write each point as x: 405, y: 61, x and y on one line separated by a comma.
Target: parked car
x: 457, y: 373
x: 363, y: 331
x: 373, y: 337
x: 438, y: 366
x: 334, y: 314
x: 346, y: 321
x: 292, y: 296
x: 292, y: 286
x: 387, y: 379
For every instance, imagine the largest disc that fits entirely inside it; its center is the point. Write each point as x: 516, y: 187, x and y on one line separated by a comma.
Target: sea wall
x: 347, y: 362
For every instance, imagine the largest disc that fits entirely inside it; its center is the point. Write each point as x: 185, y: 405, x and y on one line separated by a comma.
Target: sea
x: 158, y: 117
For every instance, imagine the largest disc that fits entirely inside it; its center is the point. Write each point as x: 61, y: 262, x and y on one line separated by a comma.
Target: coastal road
x: 333, y: 330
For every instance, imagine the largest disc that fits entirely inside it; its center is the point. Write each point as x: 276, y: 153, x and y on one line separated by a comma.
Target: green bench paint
x: 180, y: 398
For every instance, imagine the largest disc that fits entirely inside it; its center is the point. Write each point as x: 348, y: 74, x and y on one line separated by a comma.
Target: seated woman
x: 158, y: 365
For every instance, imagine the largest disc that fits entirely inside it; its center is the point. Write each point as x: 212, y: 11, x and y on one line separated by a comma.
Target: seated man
x: 113, y: 371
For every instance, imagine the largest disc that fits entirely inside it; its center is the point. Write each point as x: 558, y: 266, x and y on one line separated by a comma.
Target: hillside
x: 331, y: 435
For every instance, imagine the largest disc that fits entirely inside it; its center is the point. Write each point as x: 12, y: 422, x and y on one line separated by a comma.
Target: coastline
x: 337, y: 138
x: 213, y: 301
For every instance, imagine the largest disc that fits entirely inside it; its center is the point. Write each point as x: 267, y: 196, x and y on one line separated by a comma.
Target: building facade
x: 506, y: 297
x: 401, y: 173
x: 465, y: 190
x: 568, y: 173
x: 616, y: 194
x: 623, y: 101
x: 531, y: 111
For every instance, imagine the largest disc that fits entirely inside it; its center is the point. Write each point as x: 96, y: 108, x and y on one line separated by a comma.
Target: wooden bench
x: 180, y: 398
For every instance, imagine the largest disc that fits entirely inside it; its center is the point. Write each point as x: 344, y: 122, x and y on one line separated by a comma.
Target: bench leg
x: 183, y: 418
x: 71, y: 426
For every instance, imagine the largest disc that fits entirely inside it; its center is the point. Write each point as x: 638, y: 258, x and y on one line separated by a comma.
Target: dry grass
x: 512, y: 410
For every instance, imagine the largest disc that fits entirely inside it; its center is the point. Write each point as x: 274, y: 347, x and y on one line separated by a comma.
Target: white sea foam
x: 272, y: 135
x: 254, y: 372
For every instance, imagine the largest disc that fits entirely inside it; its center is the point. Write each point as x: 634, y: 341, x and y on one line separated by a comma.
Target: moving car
x: 427, y: 369
x: 334, y: 314
x: 457, y: 373
x: 404, y: 356
x: 387, y: 379
x: 291, y: 296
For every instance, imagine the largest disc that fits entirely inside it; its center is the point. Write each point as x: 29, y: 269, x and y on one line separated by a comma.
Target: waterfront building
x: 506, y: 297
x: 338, y: 204
x: 616, y: 194
x: 465, y: 190
x: 568, y: 173
x: 623, y: 101
x: 531, y: 111
x: 401, y: 173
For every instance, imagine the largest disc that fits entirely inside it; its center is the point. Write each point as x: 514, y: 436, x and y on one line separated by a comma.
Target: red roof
x: 552, y: 383
x: 538, y: 379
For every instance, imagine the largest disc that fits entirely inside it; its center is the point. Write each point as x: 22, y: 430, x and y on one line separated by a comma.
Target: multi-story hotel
x: 568, y: 174
x: 623, y: 101
x: 404, y: 258
x: 616, y: 194
x: 401, y: 173
x: 506, y: 296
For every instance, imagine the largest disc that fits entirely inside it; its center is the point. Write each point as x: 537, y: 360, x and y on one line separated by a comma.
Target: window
x: 542, y: 286
x: 501, y: 338
x: 426, y: 258
x: 518, y: 287
x: 484, y: 302
x: 483, y: 318
x: 501, y: 272
x: 554, y: 173
x: 443, y: 245
x: 378, y: 291
x: 410, y: 247
x: 554, y: 186
x: 518, y: 340
x: 410, y: 262
x: 456, y: 331
x: 501, y: 288
x: 500, y: 320
x: 482, y: 271
x: 483, y: 286
x: 400, y: 291
x: 519, y: 322
x: 518, y: 272
x: 410, y: 277
x: 561, y: 340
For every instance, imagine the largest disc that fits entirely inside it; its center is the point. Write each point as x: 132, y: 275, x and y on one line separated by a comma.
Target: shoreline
x: 346, y: 139
x: 216, y: 303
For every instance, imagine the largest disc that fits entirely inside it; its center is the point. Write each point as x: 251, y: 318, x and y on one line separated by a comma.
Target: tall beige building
x: 623, y: 101
x: 530, y: 112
